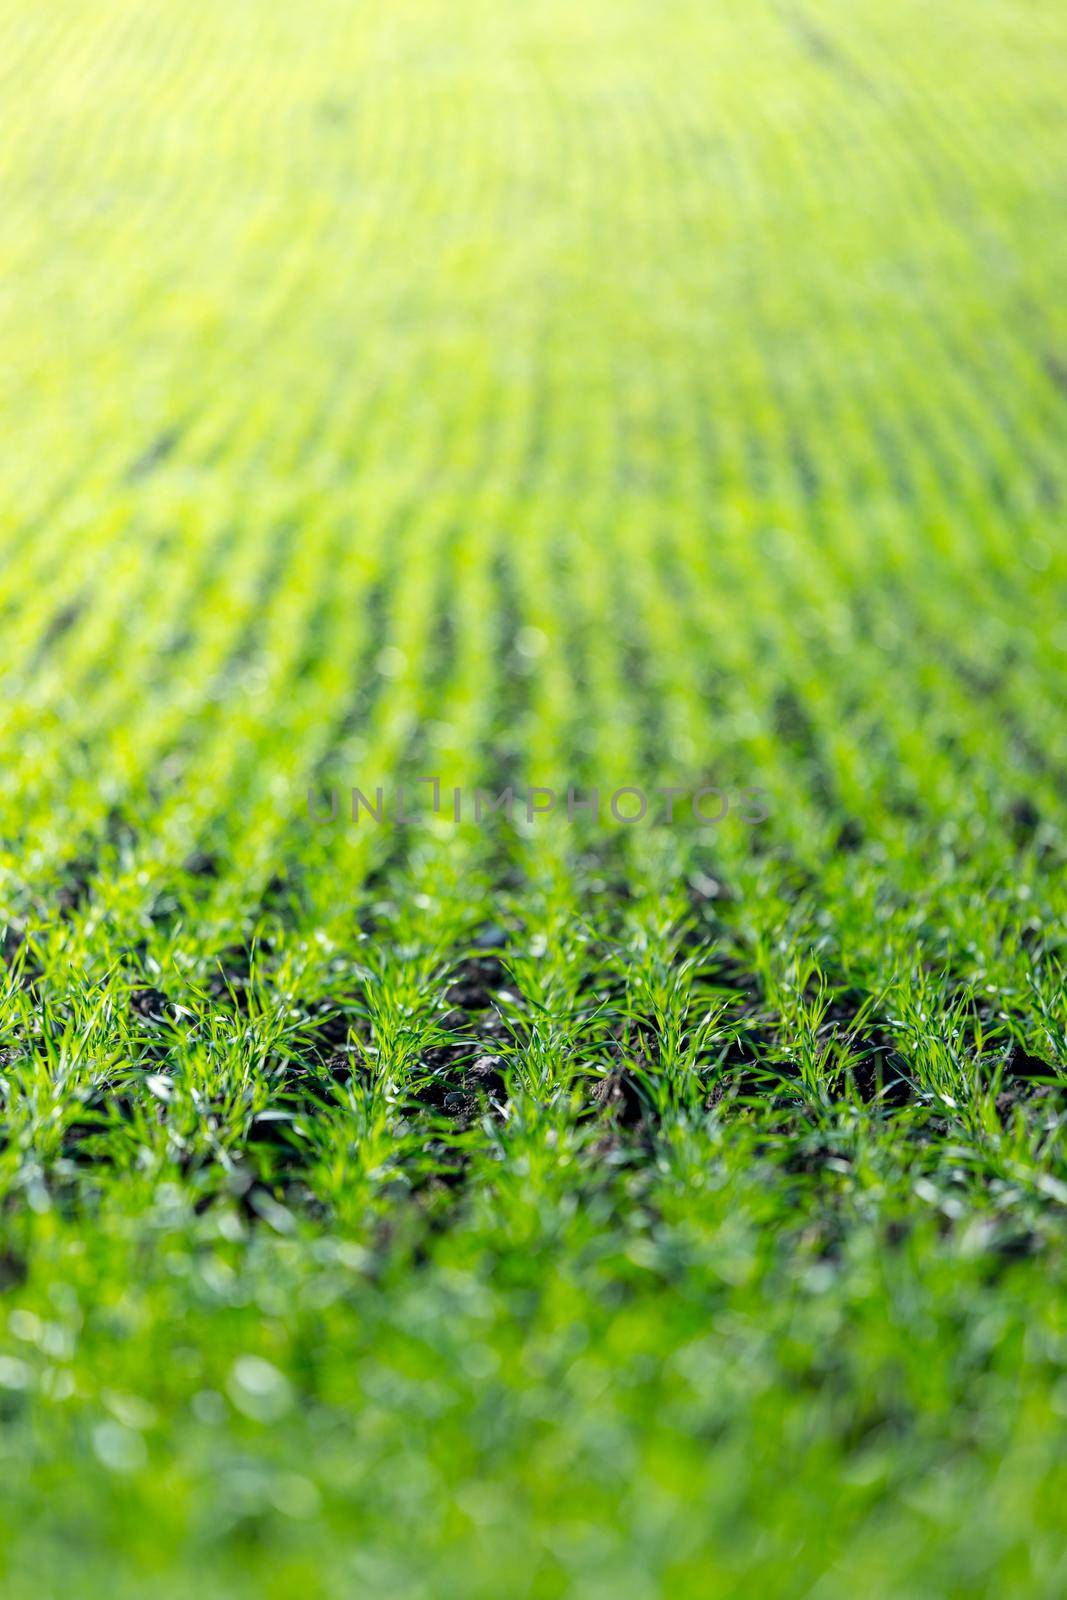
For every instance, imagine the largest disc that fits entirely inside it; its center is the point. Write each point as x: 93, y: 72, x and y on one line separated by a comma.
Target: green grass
x: 671, y: 393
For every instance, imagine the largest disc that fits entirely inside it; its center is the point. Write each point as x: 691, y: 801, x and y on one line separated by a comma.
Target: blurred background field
x: 654, y: 394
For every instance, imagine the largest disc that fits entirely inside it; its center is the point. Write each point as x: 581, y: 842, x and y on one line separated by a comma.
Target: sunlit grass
x: 663, y: 397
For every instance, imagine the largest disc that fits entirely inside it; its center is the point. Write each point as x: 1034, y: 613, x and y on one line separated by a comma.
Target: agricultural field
x: 521, y: 1198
